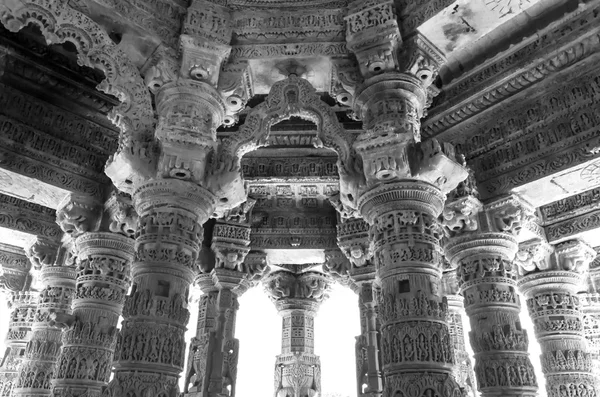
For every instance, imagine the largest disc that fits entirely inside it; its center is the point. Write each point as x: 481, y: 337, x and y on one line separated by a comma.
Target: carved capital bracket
x: 575, y: 256
x: 123, y: 218
x: 372, y: 33
x: 78, y: 214
x: 510, y: 214
x: 235, y: 85
x: 303, y: 291
x: 14, y: 269
x: 534, y: 255
x: 204, y: 43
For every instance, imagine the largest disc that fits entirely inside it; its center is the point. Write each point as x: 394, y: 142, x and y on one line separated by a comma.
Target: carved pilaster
x: 103, y: 279
x: 53, y: 312
x: 297, y: 299
x: 551, y: 289
x: 487, y: 278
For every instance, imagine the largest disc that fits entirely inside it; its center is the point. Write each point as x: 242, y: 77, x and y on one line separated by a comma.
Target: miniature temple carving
x: 551, y: 285
x: 297, y: 298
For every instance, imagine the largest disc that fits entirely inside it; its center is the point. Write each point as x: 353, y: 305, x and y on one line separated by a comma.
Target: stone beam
x: 577, y: 216
x: 322, y: 168
x: 412, y: 14
x: 26, y: 217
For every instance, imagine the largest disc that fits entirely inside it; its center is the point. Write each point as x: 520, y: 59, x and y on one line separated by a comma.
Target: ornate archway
x: 291, y: 97
x: 59, y: 23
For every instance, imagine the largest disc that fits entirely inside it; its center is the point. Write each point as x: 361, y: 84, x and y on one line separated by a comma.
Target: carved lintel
x: 205, y: 41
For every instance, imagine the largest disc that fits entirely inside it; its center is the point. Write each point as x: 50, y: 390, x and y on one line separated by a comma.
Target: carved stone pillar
x: 398, y: 185
x: 463, y: 369
x: 297, y: 298
x: 21, y: 298
x: 551, y: 289
x: 103, y: 279
x: 53, y: 309
x: 212, y: 370
x: 483, y: 250
x: 151, y: 349
x: 353, y: 240
x: 591, y: 311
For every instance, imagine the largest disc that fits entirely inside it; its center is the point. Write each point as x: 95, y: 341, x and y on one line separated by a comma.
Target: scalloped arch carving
x: 292, y: 97
x: 60, y: 23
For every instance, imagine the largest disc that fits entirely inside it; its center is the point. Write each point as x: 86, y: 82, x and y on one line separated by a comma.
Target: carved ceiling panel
x: 465, y: 21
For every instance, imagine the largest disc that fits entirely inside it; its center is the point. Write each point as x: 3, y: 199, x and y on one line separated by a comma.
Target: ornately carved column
x: 103, y: 279
x: 353, y: 240
x: 551, y: 286
x: 483, y: 249
x: 463, y: 369
x: 398, y: 184
x: 591, y: 311
x: 57, y: 275
x: 190, y: 183
x: 297, y: 298
x: 212, y: 370
x: 16, y: 280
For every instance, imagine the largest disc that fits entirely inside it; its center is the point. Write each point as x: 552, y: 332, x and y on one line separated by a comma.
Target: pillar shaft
x: 297, y: 298
x: 103, y: 279
x: 368, y: 355
x: 415, y: 339
x: 488, y: 281
x: 20, y: 322
x: 552, y: 297
x: 151, y: 354
x: 38, y: 367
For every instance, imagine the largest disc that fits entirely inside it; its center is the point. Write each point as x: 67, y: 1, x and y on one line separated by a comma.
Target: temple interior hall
x: 300, y: 198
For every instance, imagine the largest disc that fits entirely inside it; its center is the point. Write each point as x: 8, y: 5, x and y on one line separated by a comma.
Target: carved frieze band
x: 26, y: 217
x: 571, y: 206
x: 574, y: 226
x: 299, y: 167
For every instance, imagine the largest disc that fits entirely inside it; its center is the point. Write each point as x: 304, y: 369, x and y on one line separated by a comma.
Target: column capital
x: 123, y: 218
x: 204, y: 42
x: 305, y: 291
x: 534, y: 255
x: 575, y: 255
x: 42, y: 252
x: 508, y: 214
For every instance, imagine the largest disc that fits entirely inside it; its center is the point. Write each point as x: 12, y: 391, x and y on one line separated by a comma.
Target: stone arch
x: 291, y: 97
x: 60, y: 23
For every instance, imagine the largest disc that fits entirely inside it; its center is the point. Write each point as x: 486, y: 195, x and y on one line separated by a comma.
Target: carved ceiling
x: 464, y: 22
